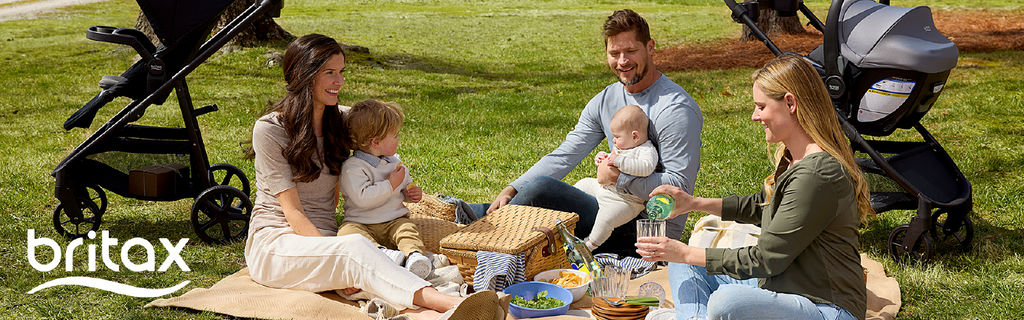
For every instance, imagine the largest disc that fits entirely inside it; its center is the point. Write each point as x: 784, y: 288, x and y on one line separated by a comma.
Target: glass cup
x: 613, y: 282
x: 650, y: 228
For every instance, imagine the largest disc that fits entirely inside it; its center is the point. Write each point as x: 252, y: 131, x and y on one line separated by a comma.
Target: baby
x: 634, y: 155
x: 374, y: 184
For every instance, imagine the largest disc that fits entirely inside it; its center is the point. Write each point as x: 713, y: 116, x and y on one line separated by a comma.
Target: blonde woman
x: 806, y: 263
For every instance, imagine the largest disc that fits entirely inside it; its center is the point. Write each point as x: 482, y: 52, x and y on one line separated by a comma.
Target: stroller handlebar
x: 130, y: 37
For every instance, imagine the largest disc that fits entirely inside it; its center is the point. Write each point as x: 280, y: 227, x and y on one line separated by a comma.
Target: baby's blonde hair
x: 371, y: 119
x: 633, y: 118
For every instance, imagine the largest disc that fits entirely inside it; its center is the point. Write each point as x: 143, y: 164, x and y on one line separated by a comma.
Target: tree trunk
x: 771, y: 23
x: 263, y: 29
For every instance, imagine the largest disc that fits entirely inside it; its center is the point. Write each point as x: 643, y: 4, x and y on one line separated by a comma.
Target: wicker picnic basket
x: 432, y: 229
x: 434, y: 220
x: 510, y: 230
x: 431, y: 205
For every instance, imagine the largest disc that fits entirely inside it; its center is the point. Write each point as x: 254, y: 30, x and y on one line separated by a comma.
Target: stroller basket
x: 884, y: 68
x: 221, y: 210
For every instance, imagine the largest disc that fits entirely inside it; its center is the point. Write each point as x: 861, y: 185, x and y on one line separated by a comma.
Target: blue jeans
x: 550, y: 193
x: 698, y: 295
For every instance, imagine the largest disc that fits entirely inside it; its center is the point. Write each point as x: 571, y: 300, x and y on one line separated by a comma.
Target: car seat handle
x: 831, y: 38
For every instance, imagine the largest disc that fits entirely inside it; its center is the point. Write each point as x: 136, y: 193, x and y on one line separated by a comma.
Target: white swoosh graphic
x: 111, y: 286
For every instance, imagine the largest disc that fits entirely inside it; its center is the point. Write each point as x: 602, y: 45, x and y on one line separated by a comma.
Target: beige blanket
x: 239, y: 296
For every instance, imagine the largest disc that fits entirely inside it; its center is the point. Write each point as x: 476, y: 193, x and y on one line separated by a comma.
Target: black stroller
x: 884, y: 68
x: 221, y: 210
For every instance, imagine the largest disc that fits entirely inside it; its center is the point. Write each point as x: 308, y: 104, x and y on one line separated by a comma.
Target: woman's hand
x: 684, y: 201
x: 664, y: 249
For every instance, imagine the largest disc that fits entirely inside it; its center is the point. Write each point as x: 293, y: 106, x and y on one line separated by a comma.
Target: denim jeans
x: 698, y: 295
x: 550, y: 193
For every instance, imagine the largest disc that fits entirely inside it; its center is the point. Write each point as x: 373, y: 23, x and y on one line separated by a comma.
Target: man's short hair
x: 626, y: 20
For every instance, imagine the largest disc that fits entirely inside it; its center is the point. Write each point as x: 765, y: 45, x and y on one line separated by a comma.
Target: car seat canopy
x: 874, y: 35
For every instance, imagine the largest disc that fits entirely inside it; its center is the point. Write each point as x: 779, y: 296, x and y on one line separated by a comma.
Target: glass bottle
x: 660, y: 206
x: 577, y: 252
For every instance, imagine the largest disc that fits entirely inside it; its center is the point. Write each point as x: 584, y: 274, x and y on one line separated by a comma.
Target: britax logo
x: 106, y: 242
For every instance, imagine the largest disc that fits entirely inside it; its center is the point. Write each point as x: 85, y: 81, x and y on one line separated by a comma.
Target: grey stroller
x: 884, y: 68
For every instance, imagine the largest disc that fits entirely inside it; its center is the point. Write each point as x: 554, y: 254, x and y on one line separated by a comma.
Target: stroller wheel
x: 922, y: 251
x: 96, y: 194
x: 960, y: 229
x: 229, y: 175
x: 77, y: 227
x: 221, y: 214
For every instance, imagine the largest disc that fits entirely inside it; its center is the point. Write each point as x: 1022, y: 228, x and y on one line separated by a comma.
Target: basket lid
x: 507, y: 230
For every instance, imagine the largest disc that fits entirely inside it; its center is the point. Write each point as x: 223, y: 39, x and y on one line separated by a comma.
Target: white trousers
x: 279, y: 258
x: 614, y: 209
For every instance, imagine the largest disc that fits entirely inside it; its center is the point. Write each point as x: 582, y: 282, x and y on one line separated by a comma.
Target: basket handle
x: 548, y: 249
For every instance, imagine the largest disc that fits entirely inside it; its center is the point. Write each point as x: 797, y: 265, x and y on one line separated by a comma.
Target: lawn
x: 488, y: 88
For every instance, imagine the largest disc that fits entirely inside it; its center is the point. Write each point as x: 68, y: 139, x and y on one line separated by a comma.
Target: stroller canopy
x: 874, y: 35
x: 182, y: 21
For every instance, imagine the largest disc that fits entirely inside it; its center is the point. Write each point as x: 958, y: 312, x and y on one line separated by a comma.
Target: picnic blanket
x: 238, y: 295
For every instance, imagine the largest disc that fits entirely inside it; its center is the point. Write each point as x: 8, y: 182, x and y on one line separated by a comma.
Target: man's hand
x: 607, y: 174
x: 502, y: 199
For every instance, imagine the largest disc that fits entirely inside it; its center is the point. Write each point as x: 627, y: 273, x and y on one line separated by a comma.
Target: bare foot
x: 422, y: 314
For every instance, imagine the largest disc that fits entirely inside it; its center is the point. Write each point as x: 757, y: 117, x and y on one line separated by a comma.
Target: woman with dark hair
x: 806, y: 263
x: 299, y: 146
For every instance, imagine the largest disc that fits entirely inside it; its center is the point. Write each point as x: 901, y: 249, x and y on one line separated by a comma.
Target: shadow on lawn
x: 172, y: 224
x: 991, y: 244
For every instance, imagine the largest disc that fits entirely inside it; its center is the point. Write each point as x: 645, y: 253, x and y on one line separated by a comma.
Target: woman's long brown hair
x: 303, y: 59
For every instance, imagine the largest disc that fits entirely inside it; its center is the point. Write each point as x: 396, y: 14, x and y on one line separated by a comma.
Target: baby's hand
x: 611, y: 158
x: 600, y: 157
x: 414, y: 193
x: 397, y: 177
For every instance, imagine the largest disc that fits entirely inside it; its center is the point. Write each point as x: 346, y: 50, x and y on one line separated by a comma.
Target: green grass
x: 488, y: 88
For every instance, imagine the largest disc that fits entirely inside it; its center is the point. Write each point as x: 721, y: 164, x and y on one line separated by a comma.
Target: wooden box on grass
x: 159, y: 180
x: 510, y: 230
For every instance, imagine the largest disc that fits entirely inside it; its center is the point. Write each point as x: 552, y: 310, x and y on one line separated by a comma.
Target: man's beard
x: 636, y: 79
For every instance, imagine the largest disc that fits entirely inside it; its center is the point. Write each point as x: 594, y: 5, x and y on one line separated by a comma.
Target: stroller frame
x: 220, y: 212
x: 932, y: 183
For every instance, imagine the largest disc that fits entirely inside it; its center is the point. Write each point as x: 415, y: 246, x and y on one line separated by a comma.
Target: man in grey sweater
x: 675, y: 129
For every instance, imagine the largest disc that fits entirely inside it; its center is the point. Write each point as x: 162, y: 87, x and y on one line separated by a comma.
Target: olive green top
x: 809, y: 239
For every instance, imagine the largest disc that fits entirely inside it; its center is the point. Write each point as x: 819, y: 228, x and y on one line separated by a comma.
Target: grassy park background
x: 488, y: 87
